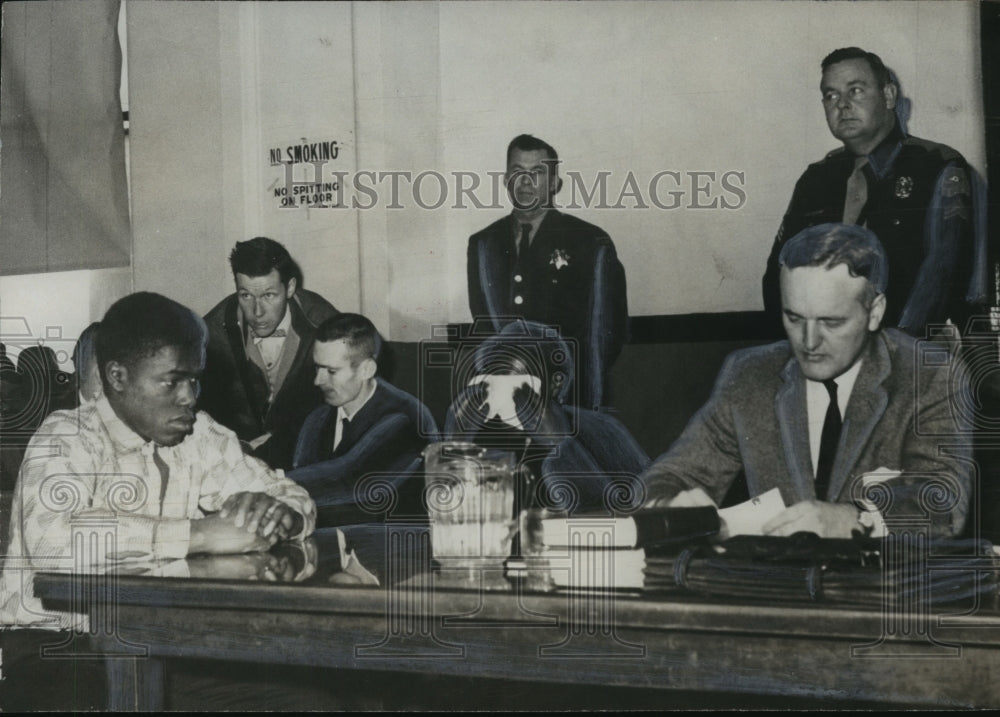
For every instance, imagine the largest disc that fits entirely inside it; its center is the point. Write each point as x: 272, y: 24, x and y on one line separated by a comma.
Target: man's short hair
x: 83, y: 352
x: 141, y: 324
x: 260, y: 256
x: 528, y: 143
x: 830, y: 244
x: 358, y: 333
x: 882, y: 75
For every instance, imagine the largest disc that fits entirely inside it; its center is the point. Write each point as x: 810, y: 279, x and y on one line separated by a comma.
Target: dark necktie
x: 343, y: 429
x: 828, y: 442
x: 857, y: 192
x: 524, y: 242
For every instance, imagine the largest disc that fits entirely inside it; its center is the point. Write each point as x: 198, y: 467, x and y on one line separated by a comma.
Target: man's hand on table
x: 217, y: 534
x: 828, y: 520
x: 262, y: 514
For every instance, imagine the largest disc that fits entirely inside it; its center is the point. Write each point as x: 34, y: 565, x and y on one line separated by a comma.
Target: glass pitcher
x: 469, y: 492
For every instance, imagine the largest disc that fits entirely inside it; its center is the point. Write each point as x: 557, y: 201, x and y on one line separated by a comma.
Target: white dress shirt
x: 818, y: 400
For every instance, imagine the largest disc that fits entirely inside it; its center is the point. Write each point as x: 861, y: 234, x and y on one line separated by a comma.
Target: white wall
x: 619, y: 87
x: 616, y: 87
x: 686, y: 86
x: 214, y: 87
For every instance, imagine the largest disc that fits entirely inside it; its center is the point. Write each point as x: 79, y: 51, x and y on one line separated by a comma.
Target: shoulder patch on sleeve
x: 955, y: 182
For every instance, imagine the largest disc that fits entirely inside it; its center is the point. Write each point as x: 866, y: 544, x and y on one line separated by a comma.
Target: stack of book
x: 670, y: 550
x: 621, y: 553
x: 641, y: 551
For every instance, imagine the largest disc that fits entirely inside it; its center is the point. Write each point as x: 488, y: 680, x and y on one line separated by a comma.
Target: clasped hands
x: 516, y: 400
x: 828, y: 520
x: 247, y: 522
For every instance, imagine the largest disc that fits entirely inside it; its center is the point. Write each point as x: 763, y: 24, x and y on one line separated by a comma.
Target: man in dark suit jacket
x: 847, y: 420
x: 542, y: 265
x: 368, y: 430
x: 258, y: 377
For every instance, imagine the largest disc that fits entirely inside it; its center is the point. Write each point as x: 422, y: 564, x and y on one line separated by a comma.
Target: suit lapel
x: 324, y: 442
x: 793, y: 422
x: 289, y: 358
x: 865, y: 409
x: 252, y: 376
x: 361, y: 423
x: 298, y: 343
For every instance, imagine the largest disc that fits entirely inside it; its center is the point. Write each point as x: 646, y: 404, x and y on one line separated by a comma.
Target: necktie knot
x: 277, y: 334
x: 338, y: 435
x: 831, y: 389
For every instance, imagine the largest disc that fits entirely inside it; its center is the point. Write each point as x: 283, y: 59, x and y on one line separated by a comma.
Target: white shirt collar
x: 845, y: 384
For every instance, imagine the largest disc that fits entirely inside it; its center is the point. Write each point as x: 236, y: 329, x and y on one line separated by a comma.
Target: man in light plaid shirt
x: 165, y: 480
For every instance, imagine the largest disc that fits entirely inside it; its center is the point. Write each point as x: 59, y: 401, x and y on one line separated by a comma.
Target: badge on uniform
x: 559, y: 259
x: 904, y: 187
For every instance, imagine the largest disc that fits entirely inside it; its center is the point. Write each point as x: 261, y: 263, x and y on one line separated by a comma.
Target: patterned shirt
x: 89, y: 495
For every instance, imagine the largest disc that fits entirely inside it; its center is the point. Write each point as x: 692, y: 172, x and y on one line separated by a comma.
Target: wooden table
x: 452, y: 623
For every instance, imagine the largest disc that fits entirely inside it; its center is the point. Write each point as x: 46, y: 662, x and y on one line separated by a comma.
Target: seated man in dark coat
x: 581, y: 460
x: 364, y: 444
x: 258, y: 376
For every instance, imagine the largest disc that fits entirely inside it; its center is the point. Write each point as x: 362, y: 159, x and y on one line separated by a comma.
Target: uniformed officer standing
x: 542, y: 265
x: 913, y: 194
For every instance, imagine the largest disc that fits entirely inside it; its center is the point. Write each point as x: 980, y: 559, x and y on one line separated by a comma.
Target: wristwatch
x: 867, y: 521
x: 871, y: 523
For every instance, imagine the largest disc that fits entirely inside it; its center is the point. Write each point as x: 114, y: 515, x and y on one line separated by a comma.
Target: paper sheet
x: 748, y: 518
x: 351, y: 566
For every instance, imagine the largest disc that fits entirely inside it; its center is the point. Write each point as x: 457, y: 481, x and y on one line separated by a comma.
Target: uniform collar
x: 884, y: 155
x: 535, y: 223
